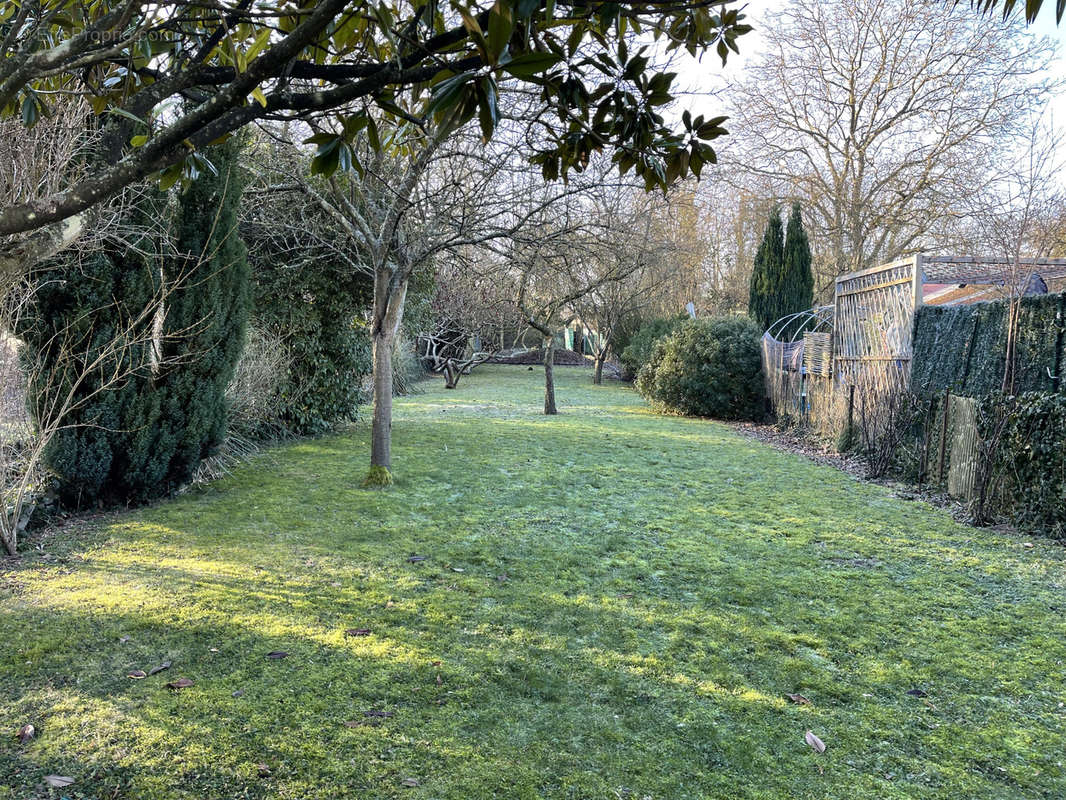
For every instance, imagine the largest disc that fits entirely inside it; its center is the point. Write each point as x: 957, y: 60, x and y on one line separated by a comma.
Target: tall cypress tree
x: 206, y: 317
x: 797, y: 286
x: 766, y: 273
x: 781, y: 281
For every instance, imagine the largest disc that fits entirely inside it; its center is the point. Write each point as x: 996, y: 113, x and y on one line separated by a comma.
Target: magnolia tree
x: 166, y: 79
x: 391, y: 80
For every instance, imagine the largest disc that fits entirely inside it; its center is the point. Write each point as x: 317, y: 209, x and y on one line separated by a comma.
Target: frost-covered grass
x: 612, y: 604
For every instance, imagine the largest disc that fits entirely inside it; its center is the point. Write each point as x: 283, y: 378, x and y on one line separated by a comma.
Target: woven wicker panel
x: 818, y: 353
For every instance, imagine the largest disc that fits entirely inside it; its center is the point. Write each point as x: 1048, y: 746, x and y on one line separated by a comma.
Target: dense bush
x: 146, y: 371
x: 87, y: 361
x: 316, y: 311
x: 638, y: 348
x: 708, y: 368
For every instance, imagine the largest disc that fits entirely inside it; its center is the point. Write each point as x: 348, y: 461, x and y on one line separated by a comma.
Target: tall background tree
x: 796, y: 292
x: 767, y: 272
x: 881, y: 116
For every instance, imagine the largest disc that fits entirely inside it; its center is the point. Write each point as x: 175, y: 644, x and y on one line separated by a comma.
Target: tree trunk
x: 381, y: 436
x: 549, y: 375
x: 601, y: 356
x: 389, y: 295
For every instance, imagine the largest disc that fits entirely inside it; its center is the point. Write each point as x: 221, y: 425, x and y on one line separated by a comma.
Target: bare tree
x: 640, y: 241
x: 1016, y: 219
x: 879, y: 116
x: 428, y: 194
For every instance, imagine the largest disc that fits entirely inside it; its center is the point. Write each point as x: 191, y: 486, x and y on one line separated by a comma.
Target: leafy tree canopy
x: 167, y: 79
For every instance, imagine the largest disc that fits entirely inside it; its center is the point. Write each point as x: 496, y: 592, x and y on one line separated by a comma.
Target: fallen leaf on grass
x: 357, y: 632
x: 238, y: 693
x: 439, y: 680
x: 799, y: 699
x: 263, y: 770
x: 415, y: 559
x: 816, y: 744
x: 1027, y: 544
x: 458, y: 569
x: 276, y: 654
x: 410, y: 783
x: 123, y: 639
x: 180, y: 683
x: 165, y: 665
x: 26, y: 732
x: 916, y: 692
x: 58, y: 781
x: 136, y: 674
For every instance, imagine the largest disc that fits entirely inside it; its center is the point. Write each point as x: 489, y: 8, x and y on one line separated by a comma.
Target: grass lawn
x: 612, y: 604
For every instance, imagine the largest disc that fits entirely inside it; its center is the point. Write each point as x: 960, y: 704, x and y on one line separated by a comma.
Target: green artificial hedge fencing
x: 1030, y: 459
x: 963, y: 348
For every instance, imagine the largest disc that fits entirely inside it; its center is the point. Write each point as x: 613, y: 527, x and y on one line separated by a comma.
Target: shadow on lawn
x: 538, y: 669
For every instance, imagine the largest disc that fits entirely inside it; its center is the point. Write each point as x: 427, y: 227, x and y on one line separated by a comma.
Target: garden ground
x: 605, y: 604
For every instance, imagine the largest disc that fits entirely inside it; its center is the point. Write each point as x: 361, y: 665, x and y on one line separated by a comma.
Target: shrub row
x: 1030, y: 459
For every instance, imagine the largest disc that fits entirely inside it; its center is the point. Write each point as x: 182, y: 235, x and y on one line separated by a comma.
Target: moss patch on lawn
x: 603, y: 604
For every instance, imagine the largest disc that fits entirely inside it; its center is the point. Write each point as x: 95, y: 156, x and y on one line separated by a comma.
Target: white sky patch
x: 701, y: 83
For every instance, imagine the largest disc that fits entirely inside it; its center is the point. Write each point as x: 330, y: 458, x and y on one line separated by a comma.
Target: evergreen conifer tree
x: 766, y: 273
x: 87, y: 348
x: 145, y: 434
x: 797, y: 287
x: 206, y: 319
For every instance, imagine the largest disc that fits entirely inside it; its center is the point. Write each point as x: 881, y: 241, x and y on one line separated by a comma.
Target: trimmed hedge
x: 963, y: 348
x: 707, y: 368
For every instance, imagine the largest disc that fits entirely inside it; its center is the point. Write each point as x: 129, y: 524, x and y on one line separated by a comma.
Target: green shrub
x: 638, y: 349
x: 78, y: 337
x: 708, y: 368
x: 316, y: 311
x: 143, y: 433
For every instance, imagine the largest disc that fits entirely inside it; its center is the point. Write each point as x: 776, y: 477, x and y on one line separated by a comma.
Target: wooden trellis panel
x: 872, y: 323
